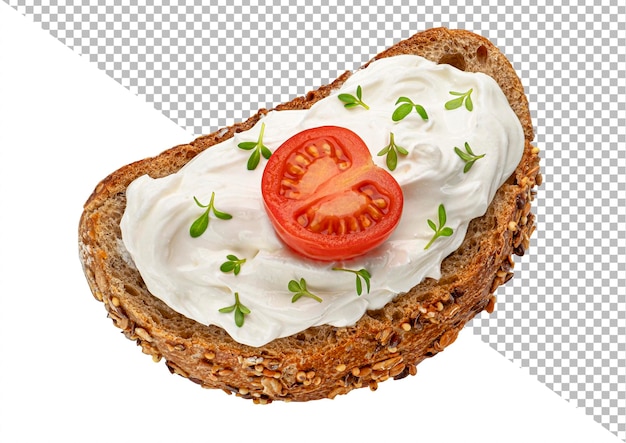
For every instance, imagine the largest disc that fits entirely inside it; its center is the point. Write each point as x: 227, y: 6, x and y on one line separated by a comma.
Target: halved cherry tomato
x: 326, y: 198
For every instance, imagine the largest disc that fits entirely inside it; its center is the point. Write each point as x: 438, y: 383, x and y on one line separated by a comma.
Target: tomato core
x: 326, y: 198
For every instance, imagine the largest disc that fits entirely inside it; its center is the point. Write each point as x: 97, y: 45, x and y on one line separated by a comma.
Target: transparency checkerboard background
x: 563, y: 316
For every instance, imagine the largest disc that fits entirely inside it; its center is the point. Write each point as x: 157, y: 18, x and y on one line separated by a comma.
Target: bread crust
x: 323, y: 361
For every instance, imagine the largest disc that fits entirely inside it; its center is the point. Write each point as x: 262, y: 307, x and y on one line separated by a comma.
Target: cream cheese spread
x: 185, y: 272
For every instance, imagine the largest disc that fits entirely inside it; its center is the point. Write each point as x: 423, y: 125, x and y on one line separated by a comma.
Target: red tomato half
x: 325, y: 196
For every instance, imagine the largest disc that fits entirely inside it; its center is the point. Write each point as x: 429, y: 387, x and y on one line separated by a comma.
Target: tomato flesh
x: 326, y: 198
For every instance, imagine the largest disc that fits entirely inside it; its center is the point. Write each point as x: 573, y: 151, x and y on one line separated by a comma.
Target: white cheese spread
x: 185, y: 272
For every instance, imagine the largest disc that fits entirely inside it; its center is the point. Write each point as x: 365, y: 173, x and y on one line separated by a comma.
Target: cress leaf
x: 367, y: 281
x: 384, y: 151
x: 421, y: 111
x: 401, y: 150
x: 247, y: 145
x: 432, y: 225
x: 442, y: 216
x: 359, y: 92
x: 228, y: 309
x: 239, y: 317
x: 446, y: 232
x: 347, y: 98
x: 266, y: 152
x: 200, y: 204
x: 392, y: 159
x: 227, y: 266
x: 469, y: 105
x: 200, y: 225
x: 294, y: 286
x: 404, y: 100
x: 364, y: 273
x: 359, y: 286
x: 254, y: 159
x: 222, y: 215
x: 401, y: 112
x: 463, y: 155
x: 454, y: 103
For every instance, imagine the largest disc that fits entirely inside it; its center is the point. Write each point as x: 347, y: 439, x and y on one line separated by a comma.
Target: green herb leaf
x: 421, y: 111
x: 446, y: 232
x: 200, y: 225
x: 227, y: 266
x: 247, y: 145
x: 454, y: 103
x: 240, y: 311
x: 259, y: 149
x: 294, y: 286
x: 468, y: 157
x: 351, y: 101
x: 266, y: 152
x: 254, y: 159
x: 301, y: 290
x: 401, y: 112
x: 239, y: 317
x: 458, y: 102
x: 347, y: 98
x: 441, y: 231
x: 362, y: 275
x: 391, y: 151
x: 469, y: 105
x: 405, y: 108
x: 233, y: 264
x: 442, y: 215
x: 404, y: 100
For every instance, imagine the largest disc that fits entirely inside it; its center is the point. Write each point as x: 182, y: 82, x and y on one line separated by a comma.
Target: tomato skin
x: 326, y: 198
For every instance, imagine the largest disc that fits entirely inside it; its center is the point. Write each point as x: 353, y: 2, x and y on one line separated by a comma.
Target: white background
x: 66, y: 374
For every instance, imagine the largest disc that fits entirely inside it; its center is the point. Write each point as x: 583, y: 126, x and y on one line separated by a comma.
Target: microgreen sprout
x: 391, y: 151
x: 360, y: 274
x: 300, y: 290
x: 468, y: 157
x: 233, y: 264
x: 258, y: 149
x: 442, y: 230
x: 405, y: 109
x: 202, y: 223
x: 351, y: 101
x: 240, y: 311
x: 458, y: 102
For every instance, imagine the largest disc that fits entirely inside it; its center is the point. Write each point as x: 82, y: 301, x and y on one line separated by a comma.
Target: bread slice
x: 324, y: 361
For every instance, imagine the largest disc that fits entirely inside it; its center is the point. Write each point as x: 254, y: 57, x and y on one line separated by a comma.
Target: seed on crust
x: 340, y: 367
x: 143, y: 334
x: 448, y: 337
x: 271, y: 386
x: 387, y: 364
x: 301, y: 376
x: 491, y: 305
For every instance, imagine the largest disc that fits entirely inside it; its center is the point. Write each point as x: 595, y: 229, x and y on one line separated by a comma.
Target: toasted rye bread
x: 322, y: 361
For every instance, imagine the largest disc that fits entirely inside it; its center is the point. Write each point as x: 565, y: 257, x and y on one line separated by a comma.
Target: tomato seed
x: 313, y: 151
